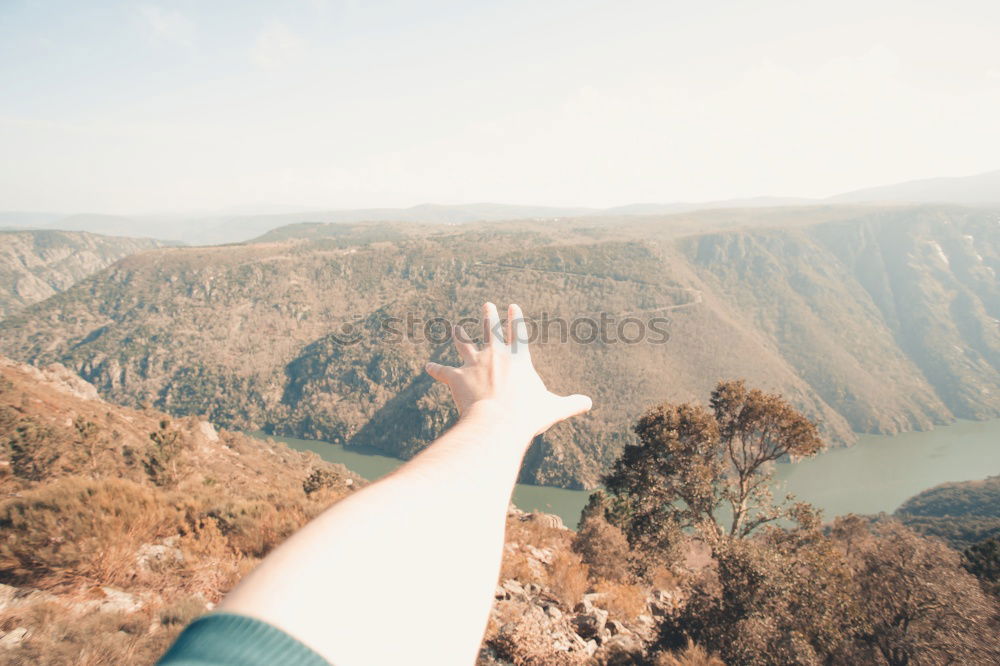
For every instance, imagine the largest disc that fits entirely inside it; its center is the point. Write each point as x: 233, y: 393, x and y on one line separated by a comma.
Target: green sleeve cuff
x: 227, y: 639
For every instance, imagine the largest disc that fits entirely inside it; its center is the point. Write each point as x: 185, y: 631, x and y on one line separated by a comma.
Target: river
x: 877, y: 474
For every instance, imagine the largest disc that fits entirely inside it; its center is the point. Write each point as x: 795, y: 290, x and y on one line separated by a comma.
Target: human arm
x: 404, y: 570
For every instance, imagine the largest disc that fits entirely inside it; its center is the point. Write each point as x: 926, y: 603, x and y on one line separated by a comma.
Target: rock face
x: 58, y: 377
x: 37, y: 264
x: 11, y: 639
x: 872, y: 320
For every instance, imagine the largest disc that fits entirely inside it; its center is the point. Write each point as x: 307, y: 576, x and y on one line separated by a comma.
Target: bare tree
x: 757, y: 429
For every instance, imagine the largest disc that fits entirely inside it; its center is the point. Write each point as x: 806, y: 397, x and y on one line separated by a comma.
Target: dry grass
x: 692, y: 655
x: 662, y: 578
x: 80, y: 528
x: 568, y: 577
x: 623, y: 601
x: 160, y: 509
x: 59, y: 636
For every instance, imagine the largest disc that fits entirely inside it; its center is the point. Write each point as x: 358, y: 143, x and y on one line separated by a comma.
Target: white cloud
x: 168, y: 26
x: 278, y: 46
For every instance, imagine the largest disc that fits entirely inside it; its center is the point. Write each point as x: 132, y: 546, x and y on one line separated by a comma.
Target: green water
x: 371, y: 465
x: 877, y: 474
x: 880, y: 472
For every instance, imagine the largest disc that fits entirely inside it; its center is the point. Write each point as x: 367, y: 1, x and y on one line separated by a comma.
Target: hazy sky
x: 187, y: 105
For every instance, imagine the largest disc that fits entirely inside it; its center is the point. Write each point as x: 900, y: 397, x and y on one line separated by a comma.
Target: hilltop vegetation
x: 963, y: 514
x: 875, y: 320
x: 121, y: 525
x: 37, y: 264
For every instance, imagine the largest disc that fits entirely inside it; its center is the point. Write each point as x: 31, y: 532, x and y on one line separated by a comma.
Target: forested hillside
x: 963, y: 513
x: 37, y: 264
x: 874, y: 320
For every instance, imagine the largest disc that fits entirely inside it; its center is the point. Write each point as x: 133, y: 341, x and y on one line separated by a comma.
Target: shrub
x: 182, y: 612
x: 604, y: 548
x: 622, y: 600
x: 692, y: 655
x: 255, y: 527
x: 319, y: 479
x: 161, y: 461
x: 60, y: 636
x: 983, y: 561
x: 32, y: 453
x: 568, y: 577
x: 79, y: 527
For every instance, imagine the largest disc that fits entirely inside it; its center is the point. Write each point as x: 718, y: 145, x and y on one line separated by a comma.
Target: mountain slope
x: 856, y: 319
x: 121, y: 525
x: 36, y: 264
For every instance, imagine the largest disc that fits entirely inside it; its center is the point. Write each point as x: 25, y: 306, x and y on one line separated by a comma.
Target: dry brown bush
x: 623, y: 601
x: 662, y: 578
x: 60, y: 636
x: 568, y: 577
x: 517, y: 565
x: 692, y: 655
x: 604, y: 548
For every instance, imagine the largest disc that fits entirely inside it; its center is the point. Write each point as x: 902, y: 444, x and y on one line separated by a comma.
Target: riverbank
x: 877, y: 474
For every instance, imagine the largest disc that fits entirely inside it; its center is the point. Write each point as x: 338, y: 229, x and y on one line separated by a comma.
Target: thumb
x: 442, y: 373
x: 572, y: 405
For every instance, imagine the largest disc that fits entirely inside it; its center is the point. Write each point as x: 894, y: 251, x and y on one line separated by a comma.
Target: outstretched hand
x: 500, y: 380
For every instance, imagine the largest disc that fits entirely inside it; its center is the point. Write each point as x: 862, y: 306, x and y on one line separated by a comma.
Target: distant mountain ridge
x: 242, y: 223
x: 981, y: 189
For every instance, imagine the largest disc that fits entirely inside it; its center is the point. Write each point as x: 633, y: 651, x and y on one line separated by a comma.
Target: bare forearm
x: 418, y: 551
x: 403, y: 571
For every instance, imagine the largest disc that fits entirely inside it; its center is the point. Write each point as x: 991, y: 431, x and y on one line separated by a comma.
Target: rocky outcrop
x: 35, y: 265
x: 533, y: 622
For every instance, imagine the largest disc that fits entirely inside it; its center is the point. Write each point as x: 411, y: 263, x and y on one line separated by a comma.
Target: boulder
x: 591, y: 624
x: 622, y: 649
x: 543, y: 555
x: 152, y: 555
x: 616, y: 628
x: 119, y: 601
x: 513, y: 589
x: 13, y: 638
x: 208, y: 431
x: 547, y: 519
